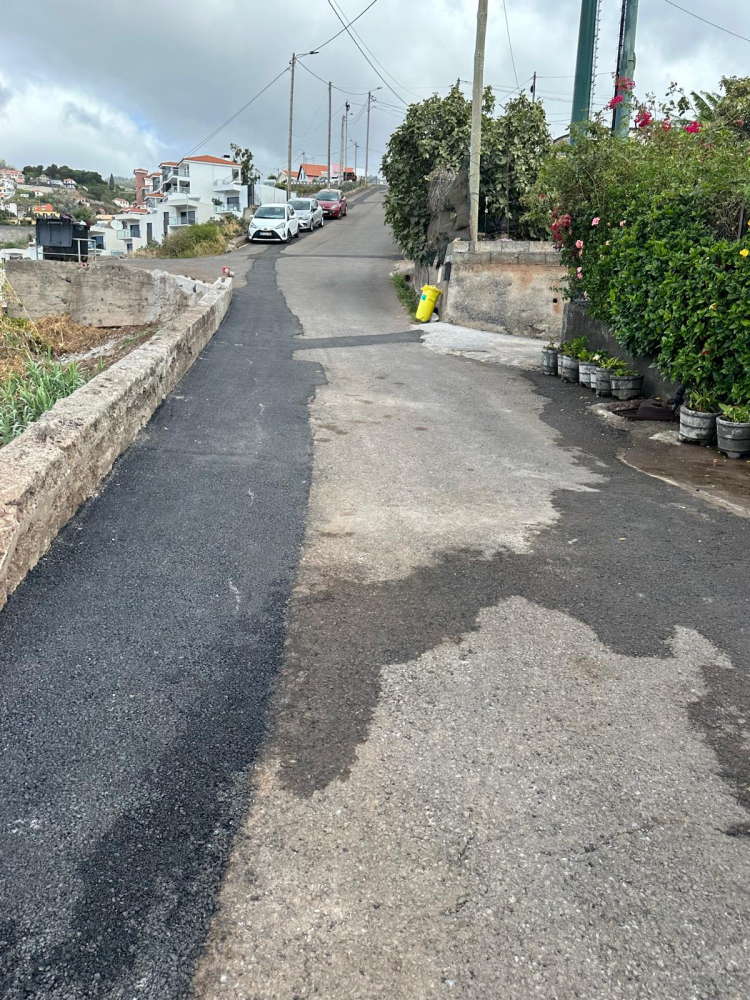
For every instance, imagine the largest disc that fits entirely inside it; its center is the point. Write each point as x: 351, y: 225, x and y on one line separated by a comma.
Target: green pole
x: 581, y: 111
x: 627, y: 66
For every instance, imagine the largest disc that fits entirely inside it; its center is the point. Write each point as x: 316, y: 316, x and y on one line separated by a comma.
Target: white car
x: 273, y: 223
x: 308, y: 211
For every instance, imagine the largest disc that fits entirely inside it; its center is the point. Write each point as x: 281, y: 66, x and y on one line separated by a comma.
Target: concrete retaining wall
x: 506, y: 286
x: 578, y: 323
x: 107, y: 294
x: 56, y: 464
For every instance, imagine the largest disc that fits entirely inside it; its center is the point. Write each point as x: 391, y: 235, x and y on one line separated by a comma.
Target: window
x: 135, y: 231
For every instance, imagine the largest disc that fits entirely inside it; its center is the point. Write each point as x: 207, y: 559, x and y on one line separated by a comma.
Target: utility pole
x: 476, y: 121
x: 343, y: 151
x: 291, y: 125
x: 312, y: 52
x: 626, y: 67
x: 356, y: 146
x: 533, y: 89
x: 367, y: 140
x: 581, y: 110
x: 330, y: 89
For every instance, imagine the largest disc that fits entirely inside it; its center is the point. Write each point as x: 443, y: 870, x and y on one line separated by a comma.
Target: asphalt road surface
x: 372, y: 672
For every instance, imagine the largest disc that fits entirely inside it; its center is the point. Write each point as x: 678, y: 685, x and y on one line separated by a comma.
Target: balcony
x: 228, y: 184
x: 125, y: 234
x: 176, y: 220
x: 227, y: 209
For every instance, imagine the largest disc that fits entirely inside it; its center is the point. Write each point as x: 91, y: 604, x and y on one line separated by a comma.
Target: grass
x: 406, y: 293
x: 205, y: 239
x: 26, y: 395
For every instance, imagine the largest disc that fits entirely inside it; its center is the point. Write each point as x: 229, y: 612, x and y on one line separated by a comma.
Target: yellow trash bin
x: 429, y: 297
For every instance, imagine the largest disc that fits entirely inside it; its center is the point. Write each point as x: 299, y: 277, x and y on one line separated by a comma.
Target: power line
x: 347, y: 26
x: 342, y: 90
x: 405, y: 89
x: 236, y: 114
x: 510, y: 45
x: 379, y: 75
x: 712, y: 23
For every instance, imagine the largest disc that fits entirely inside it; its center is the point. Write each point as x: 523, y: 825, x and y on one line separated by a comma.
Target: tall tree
x: 244, y: 157
x: 111, y: 182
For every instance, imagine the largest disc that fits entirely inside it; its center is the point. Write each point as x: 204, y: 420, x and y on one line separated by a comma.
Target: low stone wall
x: 57, y: 463
x: 506, y: 286
x: 103, y: 294
x: 578, y: 323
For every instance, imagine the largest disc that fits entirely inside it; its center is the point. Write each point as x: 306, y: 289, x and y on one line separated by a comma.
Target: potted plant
x: 549, y: 358
x: 733, y: 430
x: 567, y: 361
x: 603, y: 374
x: 625, y: 383
x: 588, y: 362
x: 698, y: 417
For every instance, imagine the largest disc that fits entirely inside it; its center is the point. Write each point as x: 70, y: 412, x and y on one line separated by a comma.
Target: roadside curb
x: 56, y: 464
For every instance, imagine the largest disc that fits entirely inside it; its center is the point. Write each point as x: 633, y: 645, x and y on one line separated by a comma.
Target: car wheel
x: 286, y: 236
x: 296, y: 235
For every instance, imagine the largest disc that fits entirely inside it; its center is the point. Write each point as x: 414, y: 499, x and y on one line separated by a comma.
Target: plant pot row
x: 697, y: 427
x: 591, y: 374
x: 732, y: 438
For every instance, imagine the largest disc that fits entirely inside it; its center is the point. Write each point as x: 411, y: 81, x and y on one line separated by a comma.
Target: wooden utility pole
x: 533, y: 89
x: 476, y: 121
x: 356, y: 146
x: 330, y: 89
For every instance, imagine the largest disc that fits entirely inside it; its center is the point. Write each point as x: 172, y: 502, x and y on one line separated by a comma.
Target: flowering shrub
x: 648, y: 227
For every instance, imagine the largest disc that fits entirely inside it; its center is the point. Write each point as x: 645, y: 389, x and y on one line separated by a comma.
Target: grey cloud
x: 193, y: 65
x: 74, y: 114
x: 5, y: 95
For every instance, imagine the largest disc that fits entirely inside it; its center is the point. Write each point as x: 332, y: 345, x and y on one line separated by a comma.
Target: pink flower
x: 694, y: 128
x: 643, y: 118
x: 595, y: 222
x: 579, y: 244
x: 623, y: 223
x: 666, y: 125
x: 615, y: 101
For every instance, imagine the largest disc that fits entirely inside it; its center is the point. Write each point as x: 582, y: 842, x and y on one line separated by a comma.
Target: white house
x: 69, y: 183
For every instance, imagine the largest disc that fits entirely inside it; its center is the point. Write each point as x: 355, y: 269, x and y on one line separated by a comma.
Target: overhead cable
x: 379, y: 75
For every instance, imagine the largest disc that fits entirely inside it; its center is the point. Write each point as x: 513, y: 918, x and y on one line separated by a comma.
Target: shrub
x: 26, y: 396
x: 201, y: 240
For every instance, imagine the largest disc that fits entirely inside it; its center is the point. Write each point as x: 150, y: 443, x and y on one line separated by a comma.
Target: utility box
x: 63, y: 239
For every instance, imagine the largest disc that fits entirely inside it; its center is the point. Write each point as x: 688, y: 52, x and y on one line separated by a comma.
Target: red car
x: 333, y: 203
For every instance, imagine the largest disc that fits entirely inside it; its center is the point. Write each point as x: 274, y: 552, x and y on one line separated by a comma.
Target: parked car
x: 308, y: 211
x: 273, y: 223
x: 333, y: 203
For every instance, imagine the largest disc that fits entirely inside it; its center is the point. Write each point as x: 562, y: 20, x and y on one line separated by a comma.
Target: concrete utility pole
x: 295, y: 57
x: 476, y: 121
x: 356, y: 147
x: 626, y: 66
x: 581, y: 110
x: 330, y: 91
x: 343, y: 151
x: 367, y: 140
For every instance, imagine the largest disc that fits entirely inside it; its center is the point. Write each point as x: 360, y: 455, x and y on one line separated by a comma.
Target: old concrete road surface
x: 372, y: 673
x: 509, y: 743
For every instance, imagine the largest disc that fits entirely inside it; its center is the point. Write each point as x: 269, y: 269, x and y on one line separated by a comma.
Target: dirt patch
x: 92, y: 347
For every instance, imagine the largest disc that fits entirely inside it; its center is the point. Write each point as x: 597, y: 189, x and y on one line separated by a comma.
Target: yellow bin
x: 429, y: 297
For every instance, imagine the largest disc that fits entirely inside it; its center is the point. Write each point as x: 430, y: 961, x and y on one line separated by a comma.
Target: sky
x: 109, y: 86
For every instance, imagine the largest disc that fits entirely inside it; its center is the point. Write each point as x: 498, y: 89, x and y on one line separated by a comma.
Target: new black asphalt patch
x: 136, y: 662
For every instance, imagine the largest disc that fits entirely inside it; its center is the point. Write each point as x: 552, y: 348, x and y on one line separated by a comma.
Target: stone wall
x: 105, y: 294
x: 578, y: 323
x: 57, y: 463
x: 507, y: 286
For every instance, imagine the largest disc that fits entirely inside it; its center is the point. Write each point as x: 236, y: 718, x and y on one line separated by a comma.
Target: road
x: 372, y: 672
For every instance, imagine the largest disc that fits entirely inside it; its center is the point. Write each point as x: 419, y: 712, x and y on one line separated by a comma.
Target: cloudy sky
x: 108, y: 85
